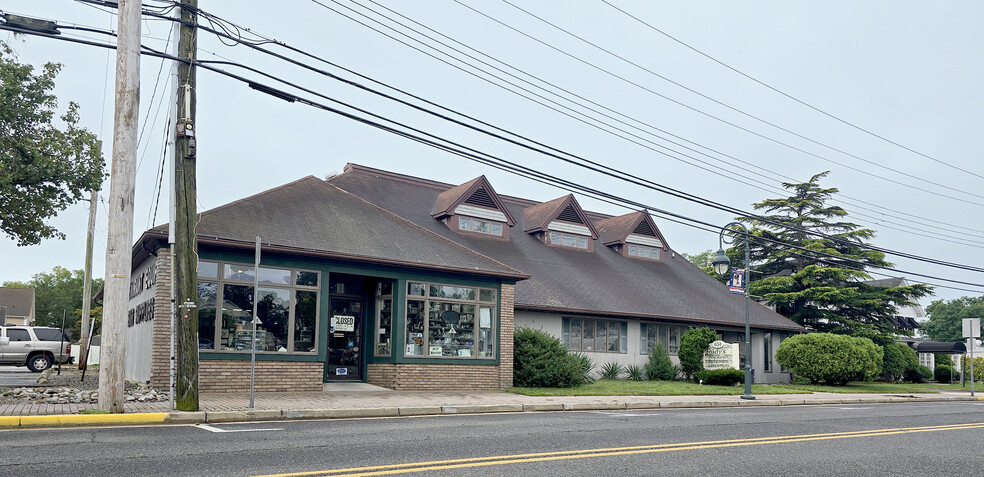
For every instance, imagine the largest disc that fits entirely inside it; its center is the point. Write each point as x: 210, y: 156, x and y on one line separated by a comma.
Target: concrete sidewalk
x: 340, y: 401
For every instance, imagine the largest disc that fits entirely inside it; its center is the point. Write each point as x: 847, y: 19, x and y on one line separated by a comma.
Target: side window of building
x: 584, y: 334
x: 767, y: 347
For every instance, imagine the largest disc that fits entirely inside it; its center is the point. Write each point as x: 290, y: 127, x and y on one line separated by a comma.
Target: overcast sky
x: 911, y: 72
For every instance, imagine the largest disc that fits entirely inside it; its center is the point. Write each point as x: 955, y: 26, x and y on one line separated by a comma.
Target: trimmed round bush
x: 693, y: 344
x: 829, y: 358
x: 945, y: 373
x: 720, y: 377
x: 919, y: 375
x: 900, y: 360
x: 541, y: 361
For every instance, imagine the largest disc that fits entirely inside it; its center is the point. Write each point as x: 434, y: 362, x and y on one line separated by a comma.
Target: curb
x: 202, y: 417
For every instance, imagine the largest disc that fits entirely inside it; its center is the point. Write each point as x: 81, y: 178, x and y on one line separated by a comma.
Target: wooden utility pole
x: 87, y: 285
x: 186, y: 201
x: 121, y: 191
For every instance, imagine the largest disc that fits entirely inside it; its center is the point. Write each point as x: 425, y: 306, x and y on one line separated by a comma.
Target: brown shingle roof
x: 601, y: 283
x: 311, y: 216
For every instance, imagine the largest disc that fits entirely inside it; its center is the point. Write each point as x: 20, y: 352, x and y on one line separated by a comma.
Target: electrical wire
x: 446, y: 145
x: 787, y: 95
x: 738, y: 126
x: 934, y: 234
x: 652, y: 185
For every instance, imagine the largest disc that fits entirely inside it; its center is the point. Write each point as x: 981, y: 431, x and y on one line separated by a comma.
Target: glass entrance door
x: 345, y: 350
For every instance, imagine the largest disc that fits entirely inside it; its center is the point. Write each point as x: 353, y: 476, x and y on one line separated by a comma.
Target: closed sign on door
x: 343, y: 323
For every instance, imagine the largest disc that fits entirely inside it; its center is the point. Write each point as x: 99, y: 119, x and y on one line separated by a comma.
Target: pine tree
x: 823, y: 291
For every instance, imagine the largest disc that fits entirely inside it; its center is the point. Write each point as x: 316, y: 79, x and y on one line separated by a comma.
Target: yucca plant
x: 586, y: 365
x: 611, y: 371
x: 635, y: 373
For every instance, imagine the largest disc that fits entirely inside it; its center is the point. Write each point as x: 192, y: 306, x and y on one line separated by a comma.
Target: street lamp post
x: 721, y: 265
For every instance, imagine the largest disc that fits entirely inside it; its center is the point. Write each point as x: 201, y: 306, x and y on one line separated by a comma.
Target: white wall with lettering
x: 140, y: 320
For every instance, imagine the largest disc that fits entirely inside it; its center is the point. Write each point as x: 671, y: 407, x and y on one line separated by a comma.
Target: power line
x: 634, y: 179
x: 933, y: 234
x: 458, y: 149
x: 937, y: 237
x: 735, y: 125
x: 777, y: 90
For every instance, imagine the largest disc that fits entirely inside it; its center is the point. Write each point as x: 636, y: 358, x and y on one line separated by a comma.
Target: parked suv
x: 36, y: 347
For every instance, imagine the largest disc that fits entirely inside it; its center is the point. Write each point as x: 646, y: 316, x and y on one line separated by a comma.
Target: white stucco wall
x: 551, y: 323
x: 140, y: 324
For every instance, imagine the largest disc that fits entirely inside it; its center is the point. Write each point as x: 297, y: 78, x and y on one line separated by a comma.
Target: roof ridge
x: 413, y: 224
x: 405, y: 178
x: 258, y: 194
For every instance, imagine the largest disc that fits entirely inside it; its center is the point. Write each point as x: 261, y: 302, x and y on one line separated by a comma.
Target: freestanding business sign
x: 971, y: 330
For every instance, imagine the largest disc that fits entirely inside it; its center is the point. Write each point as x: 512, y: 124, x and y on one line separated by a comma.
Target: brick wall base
x: 224, y: 375
x: 433, y: 377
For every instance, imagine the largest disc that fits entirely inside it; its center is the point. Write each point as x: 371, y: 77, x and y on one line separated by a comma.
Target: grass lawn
x: 608, y: 387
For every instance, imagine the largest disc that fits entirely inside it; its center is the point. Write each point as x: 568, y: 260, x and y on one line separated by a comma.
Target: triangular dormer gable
x: 563, y: 214
x: 636, y: 228
x: 475, y: 198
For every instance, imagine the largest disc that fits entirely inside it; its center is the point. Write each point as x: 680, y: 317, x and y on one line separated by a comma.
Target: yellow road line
x: 606, y: 452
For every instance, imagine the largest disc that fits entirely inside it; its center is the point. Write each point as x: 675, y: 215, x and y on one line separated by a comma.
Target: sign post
x: 971, y: 330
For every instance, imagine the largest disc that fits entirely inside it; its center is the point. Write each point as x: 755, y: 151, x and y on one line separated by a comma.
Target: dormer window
x: 481, y: 226
x: 633, y: 235
x: 643, y: 251
x: 474, y: 208
x: 561, y: 222
x: 567, y: 240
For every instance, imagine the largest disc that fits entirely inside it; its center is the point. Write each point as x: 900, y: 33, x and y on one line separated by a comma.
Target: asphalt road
x: 16, y: 376
x: 882, y: 439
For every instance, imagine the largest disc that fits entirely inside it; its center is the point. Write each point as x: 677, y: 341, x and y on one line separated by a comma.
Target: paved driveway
x: 17, y: 376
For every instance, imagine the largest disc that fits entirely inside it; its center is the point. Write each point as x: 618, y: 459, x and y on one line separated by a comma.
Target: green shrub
x: 635, y: 373
x: 945, y: 373
x: 943, y: 359
x: 720, y: 377
x: 541, y: 361
x: 871, y: 368
x: 693, y: 344
x: 829, y: 358
x: 659, y: 367
x: 900, y: 361
x: 919, y: 375
x: 612, y: 371
x: 978, y: 368
x: 586, y: 365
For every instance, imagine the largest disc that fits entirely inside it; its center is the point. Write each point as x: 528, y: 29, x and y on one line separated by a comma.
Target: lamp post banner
x: 737, y: 282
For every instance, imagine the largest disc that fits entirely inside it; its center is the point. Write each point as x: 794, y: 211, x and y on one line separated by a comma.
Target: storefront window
x: 287, y: 309
x: 449, y: 322
x: 384, y: 319
x: 207, y: 294
x: 415, y: 327
x: 305, y: 320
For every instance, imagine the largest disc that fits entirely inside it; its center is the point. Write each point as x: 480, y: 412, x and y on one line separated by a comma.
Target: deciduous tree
x: 43, y: 168
x: 946, y: 317
x: 57, y: 291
